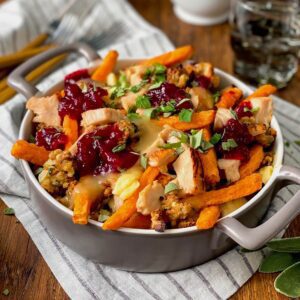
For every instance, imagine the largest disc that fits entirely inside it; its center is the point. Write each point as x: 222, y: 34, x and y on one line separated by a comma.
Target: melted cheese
x: 148, y: 134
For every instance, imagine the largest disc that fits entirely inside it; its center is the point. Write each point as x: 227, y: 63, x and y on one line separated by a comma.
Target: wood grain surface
x: 23, y: 270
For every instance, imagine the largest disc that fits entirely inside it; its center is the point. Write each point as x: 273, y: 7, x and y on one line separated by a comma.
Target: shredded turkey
x: 223, y: 115
x: 263, y: 110
x: 231, y: 168
x: 45, y: 110
x: 101, y: 116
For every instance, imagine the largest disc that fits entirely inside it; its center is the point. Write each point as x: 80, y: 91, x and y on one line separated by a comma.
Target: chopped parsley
x: 215, y: 138
x: 122, y: 82
x: 252, y: 110
x: 150, y: 113
x: 196, y: 139
x: 104, y: 214
x: 8, y: 211
x: 118, y: 148
x: 136, y: 88
x: 229, y: 144
x: 181, y: 136
x: 185, y: 115
x: 31, y: 139
x: 157, y: 74
x: 170, y: 187
x: 233, y: 113
x: 171, y: 145
x: 169, y: 107
x: 144, y: 161
x: 117, y: 91
x: 216, y: 96
x: 133, y: 116
x: 143, y: 102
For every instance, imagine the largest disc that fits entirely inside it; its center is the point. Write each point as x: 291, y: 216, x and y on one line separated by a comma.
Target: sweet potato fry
x: 125, y: 212
x: 230, y: 96
x: 107, y: 66
x: 85, y: 193
x: 242, y: 188
x: 199, y: 120
x: 256, y: 158
x: 262, y: 91
x: 138, y: 220
x: 70, y: 128
x: 170, y: 58
x: 209, y: 162
x: 208, y: 217
x: 30, y: 152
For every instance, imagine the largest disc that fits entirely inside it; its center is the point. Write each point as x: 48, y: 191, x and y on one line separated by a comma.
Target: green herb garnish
x: 38, y: 171
x: 252, y: 110
x: 229, y: 144
x: 133, y: 116
x: 136, y: 88
x: 118, y: 148
x: 196, y: 139
x: 170, y: 187
x: 150, y: 113
x: 31, y: 139
x: 233, y: 113
x: 216, y: 96
x: 8, y: 211
x: 171, y: 145
x: 185, y: 115
x: 122, y: 82
x: 116, y: 92
x: 215, y: 138
x: 143, y: 101
x: 144, y: 161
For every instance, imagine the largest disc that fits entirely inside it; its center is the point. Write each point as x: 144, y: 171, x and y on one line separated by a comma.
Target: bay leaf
x: 276, y: 262
x: 288, y: 282
x: 291, y: 245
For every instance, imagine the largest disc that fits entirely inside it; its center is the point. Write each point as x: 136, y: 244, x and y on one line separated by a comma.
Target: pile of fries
x: 164, y: 146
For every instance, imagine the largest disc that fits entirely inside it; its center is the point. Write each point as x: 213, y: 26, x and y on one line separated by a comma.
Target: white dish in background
x: 202, y: 12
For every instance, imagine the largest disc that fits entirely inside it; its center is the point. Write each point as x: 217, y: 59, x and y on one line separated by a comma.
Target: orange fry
x: 208, y: 217
x: 170, y: 58
x: 262, y: 91
x: 256, y: 158
x: 242, y: 188
x: 138, y: 220
x: 125, y: 212
x: 30, y: 152
x: 229, y: 97
x: 70, y: 128
x: 199, y: 120
x: 209, y: 162
x: 107, y: 66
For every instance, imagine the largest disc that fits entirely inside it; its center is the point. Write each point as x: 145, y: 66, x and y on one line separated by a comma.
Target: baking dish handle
x: 255, y: 238
x: 17, y: 78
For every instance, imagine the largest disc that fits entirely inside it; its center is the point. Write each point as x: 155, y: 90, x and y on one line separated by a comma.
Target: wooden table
x: 22, y: 268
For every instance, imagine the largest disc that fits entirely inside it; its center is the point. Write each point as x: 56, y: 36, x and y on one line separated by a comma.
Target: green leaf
x: 5, y: 292
x: 117, y: 91
x: 118, y: 148
x: 216, y: 96
x: 288, y: 282
x: 159, y: 68
x: 181, y: 136
x: 31, y: 139
x: 122, y: 82
x: 144, y: 161
x: 185, y: 115
x: 291, y: 245
x: 136, y: 88
x: 276, y: 262
x: 104, y: 214
x: 171, y: 145
x: 8, y: 211
x: 133, y: 116
x: 206, y: 145
x: 233, y: 113
x: 155, y: 85
x: 143, y: 102
x: 169, y: 107
x: 215, y: 138
x: 170, y: 187
x: 252, y: 110
x: 150, y: 113
x: 229, y: 144
x: 196, y: 139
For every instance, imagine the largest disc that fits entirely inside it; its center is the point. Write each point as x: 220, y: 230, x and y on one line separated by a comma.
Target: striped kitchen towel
x: 81, y: 278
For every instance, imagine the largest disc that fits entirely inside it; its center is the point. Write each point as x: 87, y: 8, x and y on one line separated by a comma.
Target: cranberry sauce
x: 95, y: 152
x: 76, y: 101
x: 77, y: 75
x: 167, y: 92
x: 244, y: 109
x: 240, y: 134
x: 51, y: 138
x: 201, y: 80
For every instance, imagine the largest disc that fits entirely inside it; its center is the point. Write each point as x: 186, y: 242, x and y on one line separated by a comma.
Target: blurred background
x: 257, y: 40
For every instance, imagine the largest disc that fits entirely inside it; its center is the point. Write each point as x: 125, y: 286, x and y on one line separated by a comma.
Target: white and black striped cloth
x: 81, y: 278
